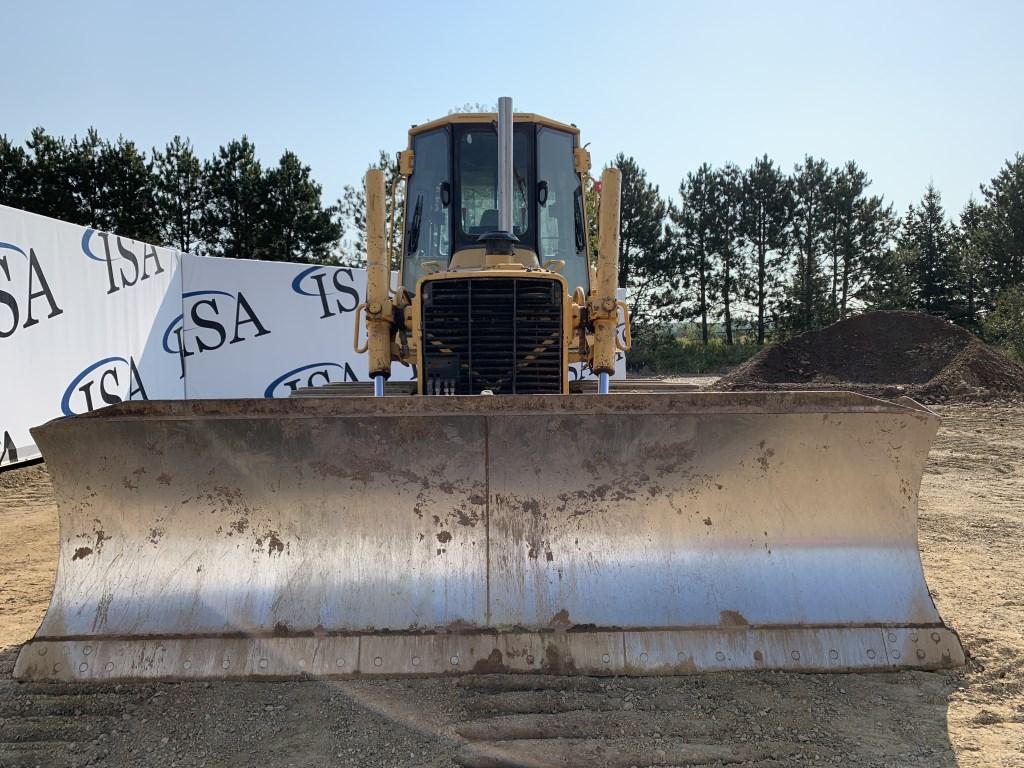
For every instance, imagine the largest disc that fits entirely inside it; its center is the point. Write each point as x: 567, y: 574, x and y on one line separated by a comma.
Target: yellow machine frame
x: 393, y: 331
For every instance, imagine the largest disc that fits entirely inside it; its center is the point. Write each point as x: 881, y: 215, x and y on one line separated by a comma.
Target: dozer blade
x: 638, y: 534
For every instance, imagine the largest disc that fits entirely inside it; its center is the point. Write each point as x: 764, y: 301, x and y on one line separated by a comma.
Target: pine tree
x: 234, y: 206
x: 124, y: 184
x: 179, y: 195
x: 1002, y: 234
x: 875, y: 228
x: 15, y: 175
x: 859, y: 230
x: 972, y: 266
x: 91, y: 182
x: 846, y: 186
x: 890, y: 283
x: 87, y: 179
x: 645, y: 269
x: 1004, y: 325
x: 766, y: 207
x: 927, y: 235
x: 52, y: 171
x: 694, y: 231
x: 812, y: 190
x: 727, y: 275
x: 296, y: 227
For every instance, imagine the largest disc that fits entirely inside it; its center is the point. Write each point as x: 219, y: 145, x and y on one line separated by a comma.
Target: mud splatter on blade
x: 619, y: 534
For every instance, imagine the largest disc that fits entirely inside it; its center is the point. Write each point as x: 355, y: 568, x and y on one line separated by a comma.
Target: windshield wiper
x: 581, y: 241
x: 414, y: 226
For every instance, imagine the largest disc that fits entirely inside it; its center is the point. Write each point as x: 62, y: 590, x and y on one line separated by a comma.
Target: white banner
x: 88, y: 319
x: 264, y: 329
x: 79, y: 317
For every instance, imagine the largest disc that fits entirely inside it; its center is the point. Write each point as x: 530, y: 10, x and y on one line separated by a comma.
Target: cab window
x: 560, y: 207
x: 427, y: 227
x: 477, y: 160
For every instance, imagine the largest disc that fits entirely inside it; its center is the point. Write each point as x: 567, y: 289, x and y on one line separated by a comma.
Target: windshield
x: 477, y: 161
x: 427, y: 232
x: 560, y: 207
x: 452, y: 198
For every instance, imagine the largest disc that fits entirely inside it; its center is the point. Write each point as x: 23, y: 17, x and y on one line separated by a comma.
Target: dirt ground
x: 972, y: 541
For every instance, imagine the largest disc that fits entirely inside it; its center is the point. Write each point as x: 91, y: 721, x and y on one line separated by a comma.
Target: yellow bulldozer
x: 494, y: 520
x: 495, y: 290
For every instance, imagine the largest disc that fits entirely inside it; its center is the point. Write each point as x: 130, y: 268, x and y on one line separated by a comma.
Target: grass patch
x: 667, y: 355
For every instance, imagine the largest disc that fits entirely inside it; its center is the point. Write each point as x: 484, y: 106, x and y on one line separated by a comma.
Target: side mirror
x: 542, y: 192
x: 446, y: 194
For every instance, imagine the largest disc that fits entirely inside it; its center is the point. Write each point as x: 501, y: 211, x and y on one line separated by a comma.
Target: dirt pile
x: 886, y: 354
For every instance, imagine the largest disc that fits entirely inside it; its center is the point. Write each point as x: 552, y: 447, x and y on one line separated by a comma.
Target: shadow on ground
x: 759, y: 719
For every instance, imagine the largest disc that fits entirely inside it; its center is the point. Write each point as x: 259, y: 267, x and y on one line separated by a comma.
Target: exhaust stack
x: 505, y: 164
x: 502, y: 241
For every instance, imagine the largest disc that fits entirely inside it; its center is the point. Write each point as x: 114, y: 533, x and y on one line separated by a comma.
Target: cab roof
x: 488, y: 117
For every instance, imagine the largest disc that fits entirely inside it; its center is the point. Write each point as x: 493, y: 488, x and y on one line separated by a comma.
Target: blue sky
x: 913, y: 91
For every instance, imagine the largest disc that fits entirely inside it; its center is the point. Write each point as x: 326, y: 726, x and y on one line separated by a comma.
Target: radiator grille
x: 501, y: 334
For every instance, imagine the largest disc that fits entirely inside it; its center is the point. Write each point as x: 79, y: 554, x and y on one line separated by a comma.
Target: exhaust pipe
x: 502, y: 241
x: 505, y: 164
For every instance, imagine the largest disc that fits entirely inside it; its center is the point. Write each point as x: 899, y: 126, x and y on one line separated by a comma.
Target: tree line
x: 797, y: 250
x: 759, y: 248
x: 226, y: 205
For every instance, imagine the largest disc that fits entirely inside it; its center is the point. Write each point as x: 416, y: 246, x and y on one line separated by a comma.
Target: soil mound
x: 886, y: 354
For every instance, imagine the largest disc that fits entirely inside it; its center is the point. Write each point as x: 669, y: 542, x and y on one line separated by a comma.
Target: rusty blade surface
x: 717, y: 521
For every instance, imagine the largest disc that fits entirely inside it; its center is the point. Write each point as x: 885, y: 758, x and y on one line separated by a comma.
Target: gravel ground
x: 972, y: 539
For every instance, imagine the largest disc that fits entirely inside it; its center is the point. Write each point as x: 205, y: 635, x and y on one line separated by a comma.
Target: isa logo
x: 335, y: 287
x: 312, y: 375
x: 105, y: 382
x: 125, y: 267
x: 25, y: 292
x: 211, y: 319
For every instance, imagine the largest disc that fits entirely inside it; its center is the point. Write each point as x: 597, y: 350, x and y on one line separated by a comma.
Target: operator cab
x: 452, y: 197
